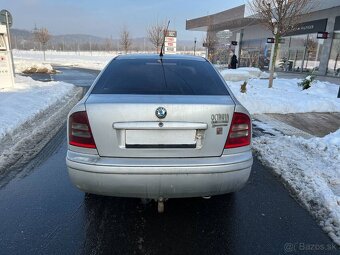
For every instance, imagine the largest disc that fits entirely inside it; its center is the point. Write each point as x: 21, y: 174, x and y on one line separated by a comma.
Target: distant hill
x: 21, y: 32
x: 74, y: 38
x: 24, y: 39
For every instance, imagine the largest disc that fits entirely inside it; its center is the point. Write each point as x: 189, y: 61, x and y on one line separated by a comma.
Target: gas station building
x: 299, y: 51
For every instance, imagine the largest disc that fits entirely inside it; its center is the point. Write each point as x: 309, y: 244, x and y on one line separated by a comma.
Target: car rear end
x: 154, y: 127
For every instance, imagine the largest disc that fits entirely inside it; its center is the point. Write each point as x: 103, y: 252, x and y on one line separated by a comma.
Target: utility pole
x: 35, y: 30
x: 111, y: 44
x: 91, y: 46
x: 271, y: 64
x: 9, y: 42
x: 15, y: 42
x: 195, y: 41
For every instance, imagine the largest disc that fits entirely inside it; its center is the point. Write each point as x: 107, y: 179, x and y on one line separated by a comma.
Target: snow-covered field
x: 94, y: 60
x: 287, y: 97
x: 27, y: 99
x: 311, y: 170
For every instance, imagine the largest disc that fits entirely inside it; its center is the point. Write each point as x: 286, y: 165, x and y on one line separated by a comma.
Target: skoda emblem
x: 160, y: 112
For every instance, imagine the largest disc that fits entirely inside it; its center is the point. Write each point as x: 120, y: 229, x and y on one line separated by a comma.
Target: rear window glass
x: 150, y: 76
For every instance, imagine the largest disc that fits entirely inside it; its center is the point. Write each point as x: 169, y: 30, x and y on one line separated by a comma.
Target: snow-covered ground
x: 27, y: 99
x: 287, y: 97
x: 309, y: 166
x: 311, y: 170
x: 94, y: 60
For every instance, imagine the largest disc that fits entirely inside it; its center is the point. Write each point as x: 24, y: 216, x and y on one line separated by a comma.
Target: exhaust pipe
x: 160, y: 205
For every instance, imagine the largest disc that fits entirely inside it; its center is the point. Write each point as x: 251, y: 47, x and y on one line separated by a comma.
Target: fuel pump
x: 6, y: 64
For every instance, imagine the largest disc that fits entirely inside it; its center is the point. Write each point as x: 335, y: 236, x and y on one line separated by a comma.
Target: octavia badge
x: 160, y: 112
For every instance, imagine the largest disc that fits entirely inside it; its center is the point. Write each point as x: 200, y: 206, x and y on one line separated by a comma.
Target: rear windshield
x: 153, y: 77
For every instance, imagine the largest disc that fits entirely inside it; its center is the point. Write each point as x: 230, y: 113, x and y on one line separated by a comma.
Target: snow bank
x: 27, y: 99
x: 333, y: 138
x: 253, y: 71
x: 235, y: 75
x: 244, y: 74
x: 28, y: 67
x: 311, y: 169
x: 287, y: 97
x: 265, y: 75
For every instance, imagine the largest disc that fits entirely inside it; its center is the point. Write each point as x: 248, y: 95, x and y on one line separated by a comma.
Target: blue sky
x: 105, y: 18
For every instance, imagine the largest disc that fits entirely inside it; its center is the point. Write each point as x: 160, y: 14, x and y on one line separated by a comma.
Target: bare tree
x: 310, y: 46
x: 108, y: 44
x: 210, y: 42
x: 254, y: 58
x: 337, y: 54
x: 156, y: 35
x: 42, y: 36
x: 280, y: 17
x: 125, y: 40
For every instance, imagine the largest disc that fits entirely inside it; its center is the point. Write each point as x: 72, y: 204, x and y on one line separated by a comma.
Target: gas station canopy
x: 229, y: 19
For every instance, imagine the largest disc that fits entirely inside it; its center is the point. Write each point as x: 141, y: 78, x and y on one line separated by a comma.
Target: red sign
x: 322, y: 35
x: 170, y: 39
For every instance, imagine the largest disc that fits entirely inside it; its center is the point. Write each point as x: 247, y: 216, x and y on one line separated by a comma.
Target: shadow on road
x: 127, y: 226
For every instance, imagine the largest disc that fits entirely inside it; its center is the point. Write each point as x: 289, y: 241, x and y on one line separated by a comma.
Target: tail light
x: 240, y: 131
x: 80, y: 134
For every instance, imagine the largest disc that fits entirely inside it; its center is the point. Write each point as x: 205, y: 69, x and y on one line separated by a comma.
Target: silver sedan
x: 159, y: 127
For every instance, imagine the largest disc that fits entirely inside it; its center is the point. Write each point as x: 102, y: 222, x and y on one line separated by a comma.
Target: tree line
x: 41, y: 39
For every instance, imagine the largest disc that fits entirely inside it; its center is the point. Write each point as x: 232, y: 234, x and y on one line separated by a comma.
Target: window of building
x: 254, y: 54
x: 334, y: 59
x: 300, y: 53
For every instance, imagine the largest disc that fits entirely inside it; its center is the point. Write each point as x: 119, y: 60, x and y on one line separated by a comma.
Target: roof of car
x: 156, y: 56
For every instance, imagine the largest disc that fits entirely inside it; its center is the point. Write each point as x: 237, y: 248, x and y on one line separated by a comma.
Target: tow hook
x: 160, y: 205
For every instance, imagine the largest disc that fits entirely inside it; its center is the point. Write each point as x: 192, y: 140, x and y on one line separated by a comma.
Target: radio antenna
x: 163, y: 44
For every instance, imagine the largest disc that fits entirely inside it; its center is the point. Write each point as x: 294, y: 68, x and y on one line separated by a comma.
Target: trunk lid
x: 127, y: 125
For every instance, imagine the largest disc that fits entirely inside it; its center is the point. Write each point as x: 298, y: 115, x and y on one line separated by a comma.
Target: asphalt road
x: 42, y: 213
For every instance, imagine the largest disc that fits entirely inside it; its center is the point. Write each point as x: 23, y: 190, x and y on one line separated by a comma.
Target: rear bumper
x: 154, y: 178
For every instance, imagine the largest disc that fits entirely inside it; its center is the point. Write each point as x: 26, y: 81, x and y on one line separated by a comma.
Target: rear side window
x: 155, y: 77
